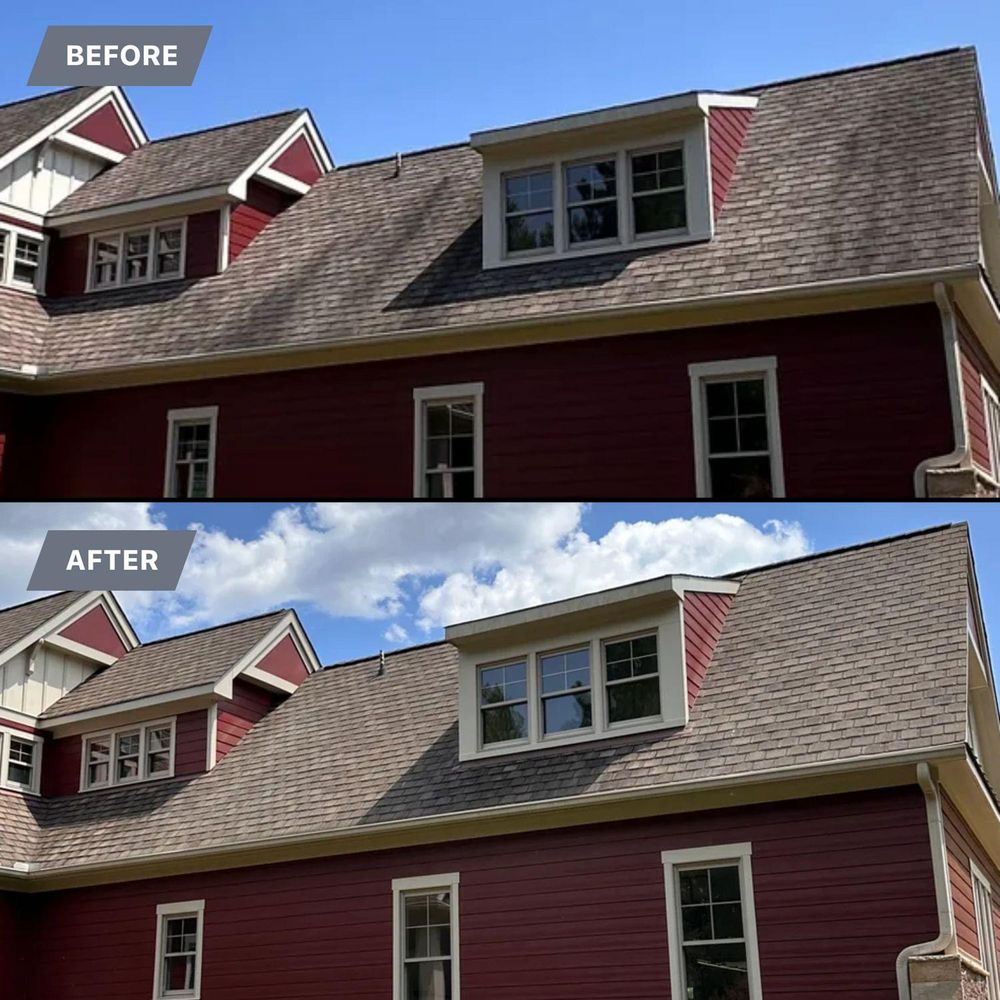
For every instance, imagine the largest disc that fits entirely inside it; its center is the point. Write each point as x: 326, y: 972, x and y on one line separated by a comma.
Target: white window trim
x: 402, y: 886
x: 703, y: 372
x: 119, y: 235
x: 992, y: 433
x: 504, y: 214
x: 6, y: 734
x: 444, y: 394
x: 112, y: 736
x: 989, y: 958
x: 694, y: 857
x: 174, y: 417
x: 12, y: 232
x: 190, y: 908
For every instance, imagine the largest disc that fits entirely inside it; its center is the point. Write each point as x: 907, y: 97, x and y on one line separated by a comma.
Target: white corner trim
x: 209, y: 413
x: 225, y: 214
x: 194, y: 908
x: 400, y: 886
x: 715, y: 854
x: 212, y: 739
x: 440, y: 394
x: 703, y: 372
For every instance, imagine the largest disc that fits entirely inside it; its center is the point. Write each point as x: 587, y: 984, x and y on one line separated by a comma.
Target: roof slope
x: 836, y: 657
x: 23, y: 619
x: 167, y: 665
x: 22, y: 119
x: 211, y: 158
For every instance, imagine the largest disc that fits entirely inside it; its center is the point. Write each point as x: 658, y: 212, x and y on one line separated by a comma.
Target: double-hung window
x: 592, y: 201
x: 986, y: 925
x: 135, y: 753
x: 564, y: 683
x: 448, y: 442
x: 659, y: 203
x: 711, y: 923
x: 632, y: 676
x: 425, y: 939
x: 503, y: 703
x: 135, y: 256
x: 991, y: 411
x: 528, y: 211
x: 736, y: 433
x: 20, y: 761
x: 179, y: 936
x: 20, y: 259
x: 191, y: 438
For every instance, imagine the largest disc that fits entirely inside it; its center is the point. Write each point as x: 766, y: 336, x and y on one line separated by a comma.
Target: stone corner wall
x: 952, y: 484
x: 947, y: 977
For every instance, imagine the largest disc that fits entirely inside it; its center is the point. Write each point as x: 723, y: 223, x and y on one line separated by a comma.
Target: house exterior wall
x: 704, y: 615
x: 12, y: 909
x: 841, y: 885
x: 94, y: 629
x: 963, y: 848
x: 105, y: 126
x: 247, y: 220
x: 976, y: 367
x: 863, y: 398
x: 285, y: 662
x: 727, y: 130
x: 202, y: 251
x: 239, y: 714
x: 298, y: 161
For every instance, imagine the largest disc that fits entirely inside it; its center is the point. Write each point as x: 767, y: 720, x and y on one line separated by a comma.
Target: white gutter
x: 956, y: 395
x: 945, y: 941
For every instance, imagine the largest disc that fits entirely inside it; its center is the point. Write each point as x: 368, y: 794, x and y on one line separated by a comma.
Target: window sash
x: 425, y: 476
x: 14, y: 755
x: 116, y: 246
x: 169, y: 914
x: 110, y: 757
x: 404, y: 965
x: 186, y: 464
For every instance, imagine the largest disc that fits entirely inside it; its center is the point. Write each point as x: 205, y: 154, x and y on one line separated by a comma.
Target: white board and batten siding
x: 55, y: 673
x: 38, y: 184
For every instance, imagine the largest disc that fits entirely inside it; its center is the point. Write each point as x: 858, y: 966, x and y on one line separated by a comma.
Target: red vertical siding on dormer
x: 284, y: 661
x: 727, y: 129
x: 704, y: 615
x: 202, y: 251
x: 105, y: 127
x: 94, y: 629
x: 299, y: 162
x: 246, y: 221
x: 238, y: 715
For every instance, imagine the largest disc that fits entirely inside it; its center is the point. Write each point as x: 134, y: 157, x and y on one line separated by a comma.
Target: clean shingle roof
x: 865, y: 172
x: 189, y: 162
x: 168, y: 665
x: 841, y: 656
x: 22, y: 619
x: 20, y: 120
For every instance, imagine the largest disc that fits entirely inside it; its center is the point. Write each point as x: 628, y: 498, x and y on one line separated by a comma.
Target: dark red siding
x: 12, y: 948
x: 284, y: 661
x: 191, y: 747
x: 727, y: 129
x: 67, y: 265
x: 842, y: 884
x: 863, y: 400
x: 704, y: 615
x: 963, y: 847
x: 61, y: 766
x: 975, y: 367
x: 202, y: 252
x: 105, y: 126
x: 94, y: 629
x: 247, y: 220
x: 238, y: 715
x: 298, y: 161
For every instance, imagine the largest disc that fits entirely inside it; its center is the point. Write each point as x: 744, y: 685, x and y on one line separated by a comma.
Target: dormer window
x: 20, y: 259
x: 528, y: 211
x: 20, y: 761
x: 564, y: 682
x: 592, y: 201
x: 631, y: 671
x: 136, y: 256
x: 658, y: 201
x: 134, y: 753
x: 503, y: 699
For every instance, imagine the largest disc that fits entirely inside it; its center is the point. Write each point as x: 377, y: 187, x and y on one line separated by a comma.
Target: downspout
x: 945, y: 941
x: 956, y: 394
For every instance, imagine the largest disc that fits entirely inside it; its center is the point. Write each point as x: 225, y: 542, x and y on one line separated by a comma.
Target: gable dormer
x: 617, y: 662
x: 640, y: 175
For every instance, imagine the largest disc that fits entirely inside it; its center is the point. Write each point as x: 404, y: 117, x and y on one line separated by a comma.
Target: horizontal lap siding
x: 842, y: 884
x: 863, y: 399
x: 975, y: 366
x: 704, y: 615
x: 247, y: 220
x: 727, y: 128
x: 963, y: 846
x: 191, y: 748
x: 238, y: 715
x: 61, y: 766
x: 11, y: 947
x: 201, y: 254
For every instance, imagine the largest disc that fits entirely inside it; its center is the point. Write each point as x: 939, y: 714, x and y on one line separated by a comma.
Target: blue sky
x: 382, y: 77
x: 370, y: 576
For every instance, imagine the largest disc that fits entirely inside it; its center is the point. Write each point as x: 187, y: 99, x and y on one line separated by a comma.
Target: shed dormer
x: 592, y: 667
x: 625, y: 178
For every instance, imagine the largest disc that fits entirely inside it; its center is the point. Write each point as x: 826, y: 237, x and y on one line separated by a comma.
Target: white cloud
x: 395, y: 633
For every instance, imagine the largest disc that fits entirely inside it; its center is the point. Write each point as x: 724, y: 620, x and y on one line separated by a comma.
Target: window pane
x: 693, y: 885
x: 593, y: 222
x: 587, y: 181
x: 506, y: 683
x: 727, y: 920
x: 507, y: 723
x: 21, y: 761
x: 643, y: 645
x: 745, y: 478
x: 462, y: 451
x: 178, y: 973
x: 716, y: 972
x: 634, y: 700
x: 656, y: 213
x: 565, y: 713
x: 725, y: 883
x: 722, y: 436
x: 529, y: 191
x: 438, y: 419
x: 720, y: 399
x: 530, y: 232
x: 750, y: 396
x: 564, y: 671
x: 753, y: 433
x: 696, y: 923
x: 428, y: 980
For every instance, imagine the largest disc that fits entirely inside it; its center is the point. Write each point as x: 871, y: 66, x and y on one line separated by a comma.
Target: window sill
x: 614, y: 247
x: 96, y: 289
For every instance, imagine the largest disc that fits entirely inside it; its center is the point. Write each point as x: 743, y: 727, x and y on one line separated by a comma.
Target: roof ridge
x: 212, y: 628
x: 219, y: 128
x: 374, y: 656
x: 392, y: 156
x: 50, y: 93
x: 859, y: 67
x: 840, y: 550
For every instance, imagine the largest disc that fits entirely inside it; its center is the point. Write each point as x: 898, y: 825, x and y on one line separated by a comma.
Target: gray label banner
x: 132, y: 55
x: 111, y: 560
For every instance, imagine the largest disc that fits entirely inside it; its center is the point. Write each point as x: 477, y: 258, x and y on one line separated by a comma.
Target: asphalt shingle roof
x: 865, y: 172
x: 847, y: 655
x: 22, y: 619
x: 179, y: 163
x: 20, y: 120
x: 167, y: 665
